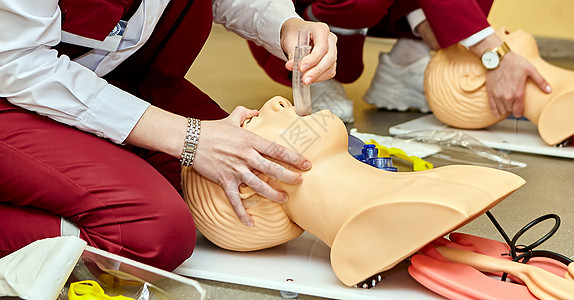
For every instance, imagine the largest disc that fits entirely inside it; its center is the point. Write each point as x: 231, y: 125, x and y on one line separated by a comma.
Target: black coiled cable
x: 523, y: 254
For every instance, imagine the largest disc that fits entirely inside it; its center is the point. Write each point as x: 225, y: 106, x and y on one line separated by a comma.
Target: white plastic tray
x: 509, y: 134
x: 304, y: 260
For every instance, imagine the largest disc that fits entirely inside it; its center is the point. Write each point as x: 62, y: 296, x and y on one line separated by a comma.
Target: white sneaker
x: 398, y: 87
x: 331, y: 95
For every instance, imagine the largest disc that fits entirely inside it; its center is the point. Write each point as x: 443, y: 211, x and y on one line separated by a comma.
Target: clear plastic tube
x: 301, y: 92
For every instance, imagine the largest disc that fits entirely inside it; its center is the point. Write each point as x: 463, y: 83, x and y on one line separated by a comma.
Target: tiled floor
x: 226, y: 71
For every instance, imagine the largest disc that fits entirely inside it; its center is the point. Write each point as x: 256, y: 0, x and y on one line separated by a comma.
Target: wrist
x: 190, y: 142
x: 491, y: 51
x: 159, y: 130
x: 486, y: 44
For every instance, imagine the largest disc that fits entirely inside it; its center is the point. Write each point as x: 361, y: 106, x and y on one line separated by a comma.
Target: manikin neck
x: 561, y: 80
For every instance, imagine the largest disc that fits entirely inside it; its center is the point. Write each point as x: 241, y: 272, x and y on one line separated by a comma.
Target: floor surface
x: 226, y: 71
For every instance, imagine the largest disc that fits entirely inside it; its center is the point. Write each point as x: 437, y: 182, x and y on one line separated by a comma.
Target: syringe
x: 301, y: 92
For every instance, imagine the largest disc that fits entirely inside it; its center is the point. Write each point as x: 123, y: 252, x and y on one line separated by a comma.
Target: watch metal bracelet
x: 502, y: 49
x: 190, y: 143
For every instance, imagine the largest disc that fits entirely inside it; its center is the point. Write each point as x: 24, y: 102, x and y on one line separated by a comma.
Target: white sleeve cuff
x: 477, y: 37
x: 115, y: 114
x: 414, y: 18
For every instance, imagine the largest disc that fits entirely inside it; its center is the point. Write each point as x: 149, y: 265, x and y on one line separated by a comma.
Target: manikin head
x: 278, y: 122
x: 370, y: 218
x: 455, y: 87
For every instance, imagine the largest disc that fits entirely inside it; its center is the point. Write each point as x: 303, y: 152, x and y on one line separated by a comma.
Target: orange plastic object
x: 461, y: 281
x: 496, y: 249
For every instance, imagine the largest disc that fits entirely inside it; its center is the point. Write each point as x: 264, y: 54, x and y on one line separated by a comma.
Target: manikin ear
x: 471, y: 83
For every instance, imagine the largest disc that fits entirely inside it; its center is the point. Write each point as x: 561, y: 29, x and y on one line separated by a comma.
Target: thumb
x: 240, y: 114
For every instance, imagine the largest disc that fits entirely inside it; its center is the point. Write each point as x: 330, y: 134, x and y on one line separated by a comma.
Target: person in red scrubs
x: 96, y: 119
x: 419, y: 27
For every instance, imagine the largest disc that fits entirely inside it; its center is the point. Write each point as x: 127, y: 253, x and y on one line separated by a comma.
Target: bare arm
x: 226, y: 153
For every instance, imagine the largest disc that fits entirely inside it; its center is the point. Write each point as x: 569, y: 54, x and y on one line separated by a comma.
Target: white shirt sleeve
x: 33, y: 77
x: 477, y: 37
x: 256, y: 20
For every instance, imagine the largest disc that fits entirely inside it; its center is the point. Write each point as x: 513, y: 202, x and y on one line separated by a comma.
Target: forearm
x: 159, y: 130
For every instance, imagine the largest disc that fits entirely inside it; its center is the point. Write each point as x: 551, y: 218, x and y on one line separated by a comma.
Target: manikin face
x: 312, y: 136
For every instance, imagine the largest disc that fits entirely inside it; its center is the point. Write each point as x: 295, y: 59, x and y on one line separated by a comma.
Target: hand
x: 505, y: 86
x: 427, y: 35
x: 232, y: 156
x: 321, y: 63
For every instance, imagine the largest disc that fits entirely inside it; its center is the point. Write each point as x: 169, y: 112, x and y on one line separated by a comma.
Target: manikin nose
x: 280, y: 104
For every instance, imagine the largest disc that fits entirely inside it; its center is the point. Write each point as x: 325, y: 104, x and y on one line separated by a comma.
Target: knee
x: 171, y: 241
x: 164, y: 241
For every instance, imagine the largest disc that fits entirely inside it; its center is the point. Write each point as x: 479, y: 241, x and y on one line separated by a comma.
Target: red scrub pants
x: 120, y: 202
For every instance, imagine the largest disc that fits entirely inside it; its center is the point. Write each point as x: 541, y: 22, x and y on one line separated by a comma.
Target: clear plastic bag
x: 118, y: 276
x: 457, y: 147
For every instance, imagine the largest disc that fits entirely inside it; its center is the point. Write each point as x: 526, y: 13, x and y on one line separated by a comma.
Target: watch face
x: 490, y: 59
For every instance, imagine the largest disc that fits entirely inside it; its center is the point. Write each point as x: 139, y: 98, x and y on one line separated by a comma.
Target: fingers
x: 232, y: 156
x: 231, y: 190
x: 518, y: 107
x: 518, y: 104
x: 276, y: 170
x: 506, y: 85
x: 264, y: 189
x: 494, y: 109
x: 321, y: 63
x: 282, y: 154
x: 514, y: 103
x: 250, y: 179
x: 539, y: 80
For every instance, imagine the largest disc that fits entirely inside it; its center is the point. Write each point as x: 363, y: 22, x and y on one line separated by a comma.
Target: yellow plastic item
x: 419, y: 164
x: 90, y: 290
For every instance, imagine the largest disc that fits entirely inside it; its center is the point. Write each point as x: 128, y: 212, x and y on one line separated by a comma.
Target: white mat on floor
x: 509, y: 134
x: 305, y: 260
